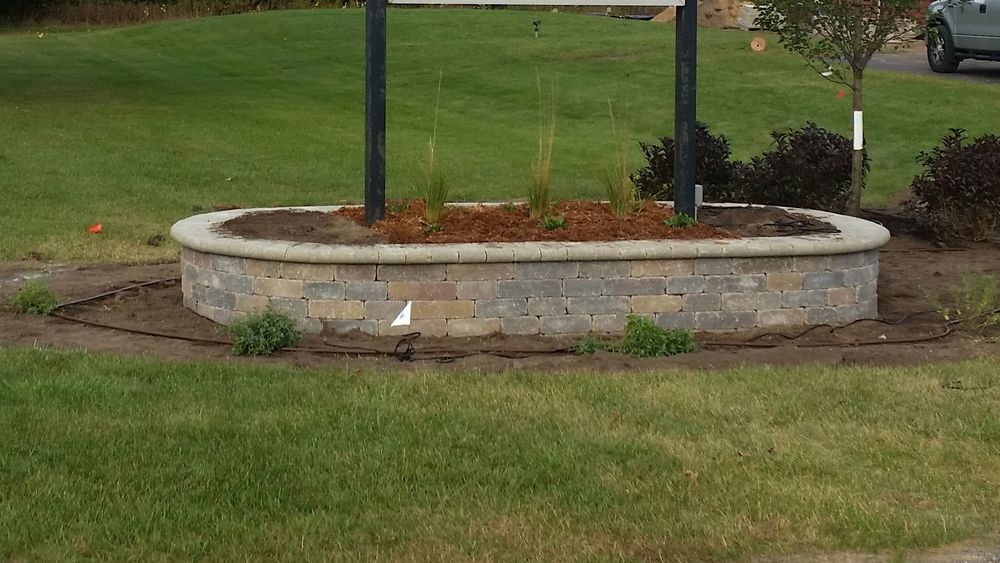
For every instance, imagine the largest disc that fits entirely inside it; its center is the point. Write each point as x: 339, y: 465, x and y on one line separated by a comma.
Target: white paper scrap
x: 826, y: 74
x: 859, y: 131
x: 403, y: 318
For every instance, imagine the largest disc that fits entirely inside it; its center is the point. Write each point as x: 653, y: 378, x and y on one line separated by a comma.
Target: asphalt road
x: 915, y: 62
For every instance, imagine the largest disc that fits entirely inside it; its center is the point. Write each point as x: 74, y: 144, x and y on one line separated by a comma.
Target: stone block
x: 681, y: 285
x: 786, y: 281
x: 546, y: 270
x: 366, y: 290
x: 427, y: 327
x: 675, y: 320
x: 842, y: 296
x: 713, y: 266
x: 823, y: 316
x: 822, y: 280
x: 501, y: 308
x: 697, y: 302
x: 474, y: 272
x: 340, y: 326
x: 544, y: 306
x: 867, y: 292
x: 380, y: 310
x: 724, y: 320
x: 614, y: 323
x: 476, y: 289
x: 604, y: 269
x: 520, y: 325
x: 199, y: 259
x: 565, y: 324
x: 411, y: 272
x: 861, y: 276
x: 449, y: 309
x: 662, y: 268
x: 298, y: 271
x: 274, y: 287
x: 750, y: 301
x: 338, y: 309
x: 354, y: 272
x: 805, y: 298
x: 656, y: 303
x: 508, y: 289
x: 263, y: 268
x: 473, y: 327
x: 583, y: 287
x: 634, y: 286
x: 600, y: 305
x: 297, y: 308
x: 229, y: 264
x: 735, y: 283
x: 847, y: 261
x: 251, y: 303
x: 220, y: 298
x: 781, y: 317
x: 762, y: 264
x: 407, y: 291
x: 324, y: 289
x: 810, y: 263
x: 237, y: 283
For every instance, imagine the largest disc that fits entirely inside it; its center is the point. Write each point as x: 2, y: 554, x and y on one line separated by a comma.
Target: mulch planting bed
x: 911, y: 269
x: 585, y: 221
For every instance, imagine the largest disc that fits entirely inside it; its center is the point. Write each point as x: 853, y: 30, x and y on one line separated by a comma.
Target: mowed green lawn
x: 116, y: 459
x: 137, y: 127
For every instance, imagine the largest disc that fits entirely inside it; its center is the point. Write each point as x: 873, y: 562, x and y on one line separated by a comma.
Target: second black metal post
x: 685, y: 108
x: 375, y: 51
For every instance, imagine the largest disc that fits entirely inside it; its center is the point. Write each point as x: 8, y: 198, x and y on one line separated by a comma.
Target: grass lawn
x: 115, y: 459
x: 134, y: 127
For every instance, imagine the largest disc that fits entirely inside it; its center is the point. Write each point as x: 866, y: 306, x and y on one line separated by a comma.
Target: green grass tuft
x: 34, y: 298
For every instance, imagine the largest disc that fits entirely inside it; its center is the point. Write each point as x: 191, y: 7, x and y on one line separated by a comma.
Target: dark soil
x: 911, y: 269
x: 584, y: 221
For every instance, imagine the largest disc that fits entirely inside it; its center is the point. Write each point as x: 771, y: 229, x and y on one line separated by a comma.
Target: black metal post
x: 685, y: 107
x: 375, y: 110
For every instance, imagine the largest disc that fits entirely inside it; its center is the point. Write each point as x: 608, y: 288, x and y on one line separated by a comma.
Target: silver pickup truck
x: 962, y: 29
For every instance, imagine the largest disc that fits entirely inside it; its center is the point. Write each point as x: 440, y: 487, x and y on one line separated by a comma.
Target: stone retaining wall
x: 566, y: 297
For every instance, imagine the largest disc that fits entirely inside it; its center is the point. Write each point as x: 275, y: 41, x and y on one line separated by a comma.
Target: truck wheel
x: 941, y: 50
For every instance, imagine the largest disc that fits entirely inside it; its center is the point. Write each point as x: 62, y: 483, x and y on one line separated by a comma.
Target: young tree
x: 838, y: 38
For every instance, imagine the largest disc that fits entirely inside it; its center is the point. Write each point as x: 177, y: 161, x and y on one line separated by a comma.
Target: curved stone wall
x: 546, y: 288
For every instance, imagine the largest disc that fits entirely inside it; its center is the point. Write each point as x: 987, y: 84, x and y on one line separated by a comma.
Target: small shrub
x: 553, y: 222
x: 808, y: 167
x: 433, y: 227
x: 508, y: 207
x: 974, y: 304
x: 958, y: 193
x: 538, y: 195
x: 680, y: 220
x: 644, y: 339
x: 713, y: 169
x: 34, y: 298
x: 264, y: 333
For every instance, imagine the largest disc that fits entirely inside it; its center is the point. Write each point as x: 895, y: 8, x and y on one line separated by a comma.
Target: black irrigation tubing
x: 115, y: 292
x: 405, y: 351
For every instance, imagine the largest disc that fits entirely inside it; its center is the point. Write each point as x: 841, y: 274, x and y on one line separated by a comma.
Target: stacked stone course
x: 538, y: 297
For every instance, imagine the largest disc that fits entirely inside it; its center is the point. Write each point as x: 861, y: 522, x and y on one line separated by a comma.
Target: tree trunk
x: 858, y: 157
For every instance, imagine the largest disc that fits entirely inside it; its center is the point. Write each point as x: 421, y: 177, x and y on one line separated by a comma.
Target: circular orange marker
x: 758, y: 44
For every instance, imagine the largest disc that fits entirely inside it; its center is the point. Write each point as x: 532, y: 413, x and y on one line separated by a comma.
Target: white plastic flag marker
x: 859, y: 131
x: 403, y: 318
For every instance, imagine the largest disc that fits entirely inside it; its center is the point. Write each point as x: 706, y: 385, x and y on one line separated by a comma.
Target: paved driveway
x: 915, y: 62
